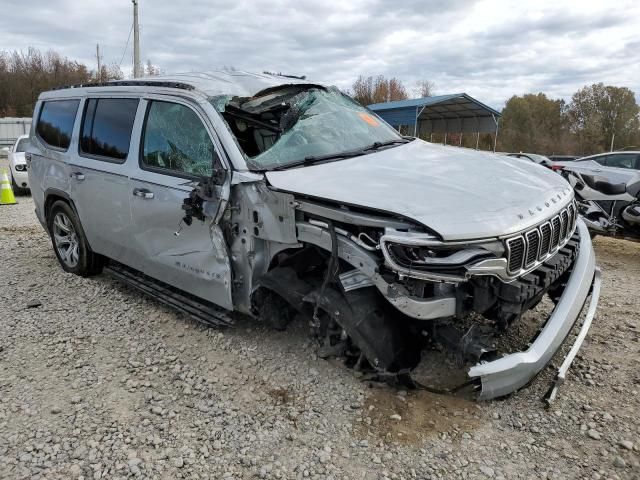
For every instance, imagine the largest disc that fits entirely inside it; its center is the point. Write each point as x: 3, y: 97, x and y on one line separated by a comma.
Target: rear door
x: 178, y: 149
x: 99, y: 174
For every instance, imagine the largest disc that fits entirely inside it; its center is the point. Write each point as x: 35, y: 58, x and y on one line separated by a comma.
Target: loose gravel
x: 97, y: 382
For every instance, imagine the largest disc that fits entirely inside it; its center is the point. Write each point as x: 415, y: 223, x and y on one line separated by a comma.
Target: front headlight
x: 21, y: 167
x: 425, y: 257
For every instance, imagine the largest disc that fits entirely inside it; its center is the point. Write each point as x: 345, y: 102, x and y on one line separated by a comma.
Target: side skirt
x: 197, y: 308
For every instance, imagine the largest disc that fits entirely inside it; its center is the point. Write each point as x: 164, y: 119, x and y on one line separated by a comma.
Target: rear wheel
x: 70, y: 243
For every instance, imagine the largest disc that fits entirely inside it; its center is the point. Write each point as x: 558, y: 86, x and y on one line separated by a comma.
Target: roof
x: 451, y: 106
x: 221, y: 82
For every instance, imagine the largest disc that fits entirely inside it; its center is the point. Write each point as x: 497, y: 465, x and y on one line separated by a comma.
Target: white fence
x: 11, y: 128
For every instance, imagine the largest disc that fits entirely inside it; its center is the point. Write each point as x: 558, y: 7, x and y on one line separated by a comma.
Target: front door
x: 176, y: 150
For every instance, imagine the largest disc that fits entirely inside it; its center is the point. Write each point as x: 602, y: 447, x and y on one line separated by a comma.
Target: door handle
x: 78, y: 176
x: 143, y: 193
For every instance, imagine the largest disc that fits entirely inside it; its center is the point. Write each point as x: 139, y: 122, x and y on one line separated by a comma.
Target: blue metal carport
x: 455, y: 113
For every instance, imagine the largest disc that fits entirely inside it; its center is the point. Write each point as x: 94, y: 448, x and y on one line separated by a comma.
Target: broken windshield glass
x: 288, y: 125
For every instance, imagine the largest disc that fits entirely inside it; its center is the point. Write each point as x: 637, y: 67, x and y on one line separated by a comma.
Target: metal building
x: 11, y: 128
x: 455, y: 113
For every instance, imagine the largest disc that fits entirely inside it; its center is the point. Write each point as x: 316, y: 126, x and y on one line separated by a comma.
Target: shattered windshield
x: 287, y: 125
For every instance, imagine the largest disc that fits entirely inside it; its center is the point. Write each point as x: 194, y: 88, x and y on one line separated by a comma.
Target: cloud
x: 491, y: 49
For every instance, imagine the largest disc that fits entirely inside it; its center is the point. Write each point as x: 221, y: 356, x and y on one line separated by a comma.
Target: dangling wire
x: 332, y: 268
x: 126, y: 46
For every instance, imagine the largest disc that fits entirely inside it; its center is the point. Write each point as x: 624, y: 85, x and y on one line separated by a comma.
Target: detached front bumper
x: 511, y: 372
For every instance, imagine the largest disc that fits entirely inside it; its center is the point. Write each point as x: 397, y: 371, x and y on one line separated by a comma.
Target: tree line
x: 24, y: 75
x: 597, y: 118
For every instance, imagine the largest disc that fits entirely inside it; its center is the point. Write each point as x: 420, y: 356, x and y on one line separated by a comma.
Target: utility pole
x: 612, y: 139
x: 136, y: 42
x: 99, y: 76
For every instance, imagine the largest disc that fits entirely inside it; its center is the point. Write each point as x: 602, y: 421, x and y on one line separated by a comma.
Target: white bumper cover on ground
x: 511, y: 372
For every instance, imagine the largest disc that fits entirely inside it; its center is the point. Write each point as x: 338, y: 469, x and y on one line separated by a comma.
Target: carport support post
x: 495, y: 139
x: 415, y: 126
x: 477, y: 139
x: 460, y: 139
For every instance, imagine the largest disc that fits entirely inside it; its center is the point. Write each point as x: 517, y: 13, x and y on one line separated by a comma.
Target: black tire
x: 70, y: 243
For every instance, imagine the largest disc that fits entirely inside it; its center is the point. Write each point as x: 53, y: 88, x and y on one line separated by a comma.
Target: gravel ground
x: 97, y: 381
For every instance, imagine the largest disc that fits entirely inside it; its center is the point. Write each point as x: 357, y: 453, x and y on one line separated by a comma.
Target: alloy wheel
x: 66, y: 240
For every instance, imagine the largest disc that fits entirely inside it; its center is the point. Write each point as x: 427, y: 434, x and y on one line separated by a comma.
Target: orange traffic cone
x: 6, y: 193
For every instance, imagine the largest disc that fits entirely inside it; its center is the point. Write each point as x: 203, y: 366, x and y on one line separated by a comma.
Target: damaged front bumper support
x: 512, y: 372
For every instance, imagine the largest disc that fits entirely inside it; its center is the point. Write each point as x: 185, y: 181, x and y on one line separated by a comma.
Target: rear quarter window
x: 55, y: 123
x: 106, y: 127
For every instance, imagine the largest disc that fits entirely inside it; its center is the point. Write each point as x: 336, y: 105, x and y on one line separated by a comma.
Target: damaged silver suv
x: 278, y: 198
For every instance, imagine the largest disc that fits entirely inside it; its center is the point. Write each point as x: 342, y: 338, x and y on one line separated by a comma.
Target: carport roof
x: 456, y: 105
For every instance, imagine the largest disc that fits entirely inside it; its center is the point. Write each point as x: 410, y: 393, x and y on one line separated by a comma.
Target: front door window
x: 176, y: 142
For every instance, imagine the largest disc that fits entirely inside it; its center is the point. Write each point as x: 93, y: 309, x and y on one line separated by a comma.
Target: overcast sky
x: 490, y: 49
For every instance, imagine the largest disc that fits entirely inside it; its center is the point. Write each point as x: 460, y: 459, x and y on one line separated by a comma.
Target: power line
x: 126, y: 46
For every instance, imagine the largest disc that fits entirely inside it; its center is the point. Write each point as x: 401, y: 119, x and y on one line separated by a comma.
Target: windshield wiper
x: 379, y: 145
x: 312, y: 159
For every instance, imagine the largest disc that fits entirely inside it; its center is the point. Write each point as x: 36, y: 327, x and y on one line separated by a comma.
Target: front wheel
x: 70, y: 243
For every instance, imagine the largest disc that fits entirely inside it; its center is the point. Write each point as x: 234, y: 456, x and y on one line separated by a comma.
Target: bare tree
x: 24, y: 75
x: 424, y: 88
x: 151, y: 70
x: 368, y: 90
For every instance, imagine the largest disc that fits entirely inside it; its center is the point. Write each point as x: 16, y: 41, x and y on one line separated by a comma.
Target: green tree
x: 532, y: 123
x: 601, y: 113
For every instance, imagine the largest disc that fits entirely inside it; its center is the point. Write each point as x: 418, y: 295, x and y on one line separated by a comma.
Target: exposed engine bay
x: 326, y: 268
x: 376, y: 289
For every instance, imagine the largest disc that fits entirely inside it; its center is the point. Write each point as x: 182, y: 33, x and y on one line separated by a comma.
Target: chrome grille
x: 533, y: 246
x: 545, y: 242
x: 515, y: 252
x: 537, y: 244
x: 555, y: 237
x: 564, y: 222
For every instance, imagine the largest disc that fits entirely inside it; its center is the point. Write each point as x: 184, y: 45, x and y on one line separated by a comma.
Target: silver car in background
x: 615, y: 167
x: 18, y: 166
x: 279, y: 198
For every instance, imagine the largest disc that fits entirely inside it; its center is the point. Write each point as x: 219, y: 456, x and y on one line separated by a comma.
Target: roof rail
x: 130, y: 83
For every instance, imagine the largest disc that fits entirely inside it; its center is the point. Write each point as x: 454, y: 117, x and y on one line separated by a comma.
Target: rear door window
x: 55, y: 123
x: 621, y: 160
x: 106, y: 127
x: 175, y: 141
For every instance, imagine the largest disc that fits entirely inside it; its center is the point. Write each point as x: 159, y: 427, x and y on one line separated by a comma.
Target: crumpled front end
x: 511, y: 372
x: 379, y: 289
x: 502, y: 280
